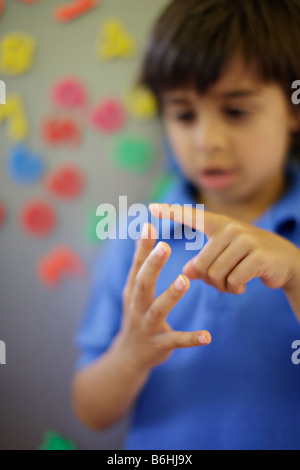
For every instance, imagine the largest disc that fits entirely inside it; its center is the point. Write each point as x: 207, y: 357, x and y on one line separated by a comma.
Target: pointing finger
x: 199, y: 219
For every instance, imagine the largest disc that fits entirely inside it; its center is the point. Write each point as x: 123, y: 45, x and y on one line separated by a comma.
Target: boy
x: 222, y: 72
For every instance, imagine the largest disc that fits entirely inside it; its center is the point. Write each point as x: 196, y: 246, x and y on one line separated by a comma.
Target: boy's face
x: 233, y: 141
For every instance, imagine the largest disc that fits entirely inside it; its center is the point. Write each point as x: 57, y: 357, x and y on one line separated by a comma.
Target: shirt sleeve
x: 103, y: 315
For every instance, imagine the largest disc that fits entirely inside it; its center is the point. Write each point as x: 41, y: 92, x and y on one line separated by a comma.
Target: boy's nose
x: 209, y: 136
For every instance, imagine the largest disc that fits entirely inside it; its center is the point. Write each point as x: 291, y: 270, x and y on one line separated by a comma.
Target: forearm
x: 292, y: 291
x: 105, y: 390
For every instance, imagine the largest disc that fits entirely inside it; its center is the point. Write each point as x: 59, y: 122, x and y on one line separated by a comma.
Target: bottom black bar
x: 152, y: 459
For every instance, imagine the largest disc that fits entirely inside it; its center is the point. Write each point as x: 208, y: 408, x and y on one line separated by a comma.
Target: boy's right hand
x: 145, y: 335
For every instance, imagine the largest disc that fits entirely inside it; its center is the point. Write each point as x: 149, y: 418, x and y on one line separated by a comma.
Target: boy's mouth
x: 216, y: 178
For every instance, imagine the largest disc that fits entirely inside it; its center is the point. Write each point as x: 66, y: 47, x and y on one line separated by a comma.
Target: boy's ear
x: 295, y: 121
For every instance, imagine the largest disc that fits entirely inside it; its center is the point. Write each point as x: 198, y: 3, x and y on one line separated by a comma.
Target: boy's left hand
x: 236, y: 252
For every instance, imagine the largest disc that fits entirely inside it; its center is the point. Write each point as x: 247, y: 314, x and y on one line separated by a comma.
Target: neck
x: 250, y: 208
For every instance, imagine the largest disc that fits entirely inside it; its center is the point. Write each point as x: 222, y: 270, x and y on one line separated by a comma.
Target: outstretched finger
x: 185, y: 339
x: 145, y: 281
x: 144, y: 246
x: 163, y: 304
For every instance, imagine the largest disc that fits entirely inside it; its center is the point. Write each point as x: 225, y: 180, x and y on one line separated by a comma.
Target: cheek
x: 180, y: 143
x: 264, y: 145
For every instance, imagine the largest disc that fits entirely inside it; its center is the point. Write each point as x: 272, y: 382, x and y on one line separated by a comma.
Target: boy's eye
x: 185, y: 117
x: 236, y: 113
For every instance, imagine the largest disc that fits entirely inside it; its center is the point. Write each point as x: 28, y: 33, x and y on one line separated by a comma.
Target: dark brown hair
x: 193, y: 40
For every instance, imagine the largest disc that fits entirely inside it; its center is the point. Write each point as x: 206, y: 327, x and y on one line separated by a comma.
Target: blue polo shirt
x: 240, y: 392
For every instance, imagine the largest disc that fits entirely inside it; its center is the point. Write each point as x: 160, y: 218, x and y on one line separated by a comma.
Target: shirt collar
x: 286, y: 211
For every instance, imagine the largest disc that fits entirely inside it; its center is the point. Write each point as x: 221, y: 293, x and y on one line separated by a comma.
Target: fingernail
x: 180, y: 283
x: 144, y: 232
x: 160, y: 249
x: 203, y: 340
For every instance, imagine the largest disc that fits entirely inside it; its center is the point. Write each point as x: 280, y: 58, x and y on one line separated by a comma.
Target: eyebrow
x: 246, y: 93
x: 175, y: 100
x: 237, y: 93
